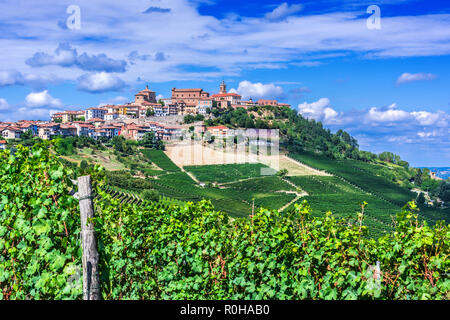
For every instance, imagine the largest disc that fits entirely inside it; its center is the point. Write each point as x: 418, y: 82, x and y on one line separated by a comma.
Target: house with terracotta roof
x: 67, y: 130
x: 12, y: 132
x: 275, y: 103
x: 204, y: 104
x: 84, y: 129
x: 25, y: 126
x: 134, y: 132
x: 2, y: 145
x: 171, y: 133
x: 247, y: 104
x: 96, y: 122
x: 98, y: 133
x: 69, y: 116
x: 47, y: 131
x: 218, y: 130
x: 57, y: 116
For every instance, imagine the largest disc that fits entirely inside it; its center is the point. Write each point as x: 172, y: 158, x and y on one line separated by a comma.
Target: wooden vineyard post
x: 91, y: 282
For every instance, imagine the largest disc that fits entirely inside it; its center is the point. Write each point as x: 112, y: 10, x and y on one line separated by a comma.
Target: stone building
x: 188, y: 96
x: 145, y: 95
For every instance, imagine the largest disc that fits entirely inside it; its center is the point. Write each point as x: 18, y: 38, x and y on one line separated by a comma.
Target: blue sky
x: 388, y: 87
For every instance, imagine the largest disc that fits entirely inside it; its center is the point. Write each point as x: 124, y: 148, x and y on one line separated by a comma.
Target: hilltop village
x: 133, y: 120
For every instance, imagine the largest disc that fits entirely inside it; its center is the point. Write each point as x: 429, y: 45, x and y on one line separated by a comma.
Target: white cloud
x: 100, y: 82
x: 411, y: 77
x: 42, y: 99
x: 14, y: 77
x: 248, y: 90
x: 426, y: 118
x: 428, y: 134
x: 392, y: 114
x: 4, y: 105
x: 67, y: 56
x: 283, y: 11
x: 307, y: 64
x: 319, y: 110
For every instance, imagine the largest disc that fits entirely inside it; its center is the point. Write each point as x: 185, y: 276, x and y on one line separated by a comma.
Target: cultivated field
x: 183, y: 154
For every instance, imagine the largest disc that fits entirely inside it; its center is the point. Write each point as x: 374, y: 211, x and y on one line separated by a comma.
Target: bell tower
x: 223, y: 88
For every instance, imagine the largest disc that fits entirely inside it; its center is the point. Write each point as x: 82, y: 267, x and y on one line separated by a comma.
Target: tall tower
x: 223, y: 88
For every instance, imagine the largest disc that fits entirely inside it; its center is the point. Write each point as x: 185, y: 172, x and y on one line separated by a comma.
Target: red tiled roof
x: 26, y: 125
x: 226, y: 95
x: 45, y: 125
x: 218, y: 127
x: 2, y: 142
x: 67, y: 126
x: 12, y: 128
x: 191, y: 89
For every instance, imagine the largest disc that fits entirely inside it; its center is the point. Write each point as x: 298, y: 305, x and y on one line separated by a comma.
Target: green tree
x: 421, y: 199
x: 150, y: 195
x: 149, y: 140
x: 189, y: 119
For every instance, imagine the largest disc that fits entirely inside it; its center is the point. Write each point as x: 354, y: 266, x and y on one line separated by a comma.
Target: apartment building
x: 203, y: 105
x: 95, y: 113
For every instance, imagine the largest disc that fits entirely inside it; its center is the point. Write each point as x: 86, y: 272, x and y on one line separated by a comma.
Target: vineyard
x: 176, y: 250
x: 226, y: 173
x: 366, y: 178
x: 159, y: 158
x: 237, y: 187
x: 346, y: 201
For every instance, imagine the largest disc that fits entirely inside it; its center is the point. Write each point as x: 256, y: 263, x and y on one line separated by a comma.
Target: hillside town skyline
x: 131, y: 120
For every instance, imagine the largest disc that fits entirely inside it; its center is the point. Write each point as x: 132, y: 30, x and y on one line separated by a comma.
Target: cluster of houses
x: 97, y: 128
x: 182, y: 102
x: 94, y: 128
x: 131, y: 119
